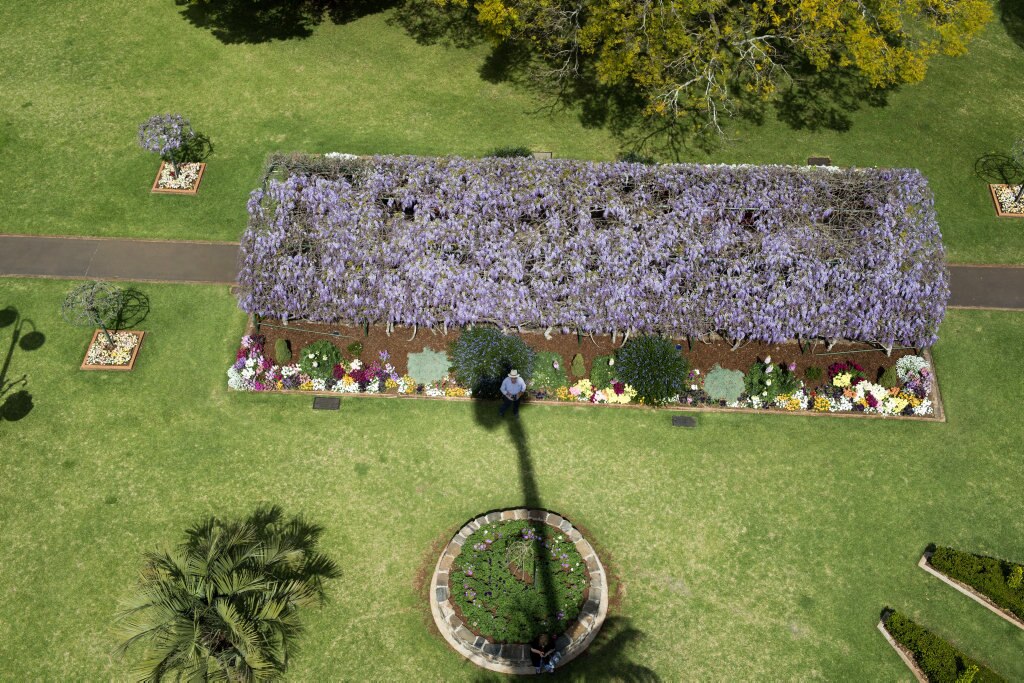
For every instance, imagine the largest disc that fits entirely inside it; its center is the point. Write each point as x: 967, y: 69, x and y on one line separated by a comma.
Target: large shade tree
x: 707, y: 58
x: 225, y: 603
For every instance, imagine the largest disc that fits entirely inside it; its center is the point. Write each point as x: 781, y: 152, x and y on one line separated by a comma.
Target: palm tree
x: 224, y: 605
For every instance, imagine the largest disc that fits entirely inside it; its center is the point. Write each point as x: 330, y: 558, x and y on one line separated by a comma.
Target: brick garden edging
x: 981, y: 599
x: 515, y: 658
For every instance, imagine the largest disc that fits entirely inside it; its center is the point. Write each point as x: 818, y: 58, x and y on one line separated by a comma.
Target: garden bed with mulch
x: 375, y: 363
x: 186, y: 181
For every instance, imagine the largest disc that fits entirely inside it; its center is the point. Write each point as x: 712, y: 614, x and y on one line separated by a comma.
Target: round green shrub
x: 653, y: 367
x: 516, y: 580
x: 319, y: 358
x: 481, y: 358
x: 602, y: 372
x: 510, y: 152
x: 283, y: 351
x: 889, y: 378
x: 355, y: 349
x: 545, y: 374
x: 723, y: 385
x: 579, y: 368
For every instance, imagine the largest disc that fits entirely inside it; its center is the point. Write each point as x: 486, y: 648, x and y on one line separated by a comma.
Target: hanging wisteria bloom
x: 166, y: 134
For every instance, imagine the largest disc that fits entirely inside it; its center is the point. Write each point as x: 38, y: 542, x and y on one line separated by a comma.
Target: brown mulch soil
x: 702, y: 356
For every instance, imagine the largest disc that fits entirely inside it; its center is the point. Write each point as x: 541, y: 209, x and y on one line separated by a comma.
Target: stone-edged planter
x: 993, y: 190
x: 925, y: 564
x: 169, y: 190
x: 907, y: 658
x: 515, y: 658
x: 138, y: 334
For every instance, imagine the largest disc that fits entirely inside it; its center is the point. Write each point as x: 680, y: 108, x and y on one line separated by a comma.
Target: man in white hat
x: 512, y: 388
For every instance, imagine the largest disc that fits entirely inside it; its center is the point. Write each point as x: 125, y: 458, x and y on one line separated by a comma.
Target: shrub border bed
x: 139, y: 335
x: 907, y: 658
x: 970, y: 592
x: 156, y: 189
x: 515, y: 658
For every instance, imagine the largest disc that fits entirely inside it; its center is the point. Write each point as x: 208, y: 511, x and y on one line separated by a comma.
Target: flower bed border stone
x: 166, y: 190
x: 982, y: 599
x: 515, y: 658
x: 139, y: 334
x: 999, y: 206
x: 907, y: 658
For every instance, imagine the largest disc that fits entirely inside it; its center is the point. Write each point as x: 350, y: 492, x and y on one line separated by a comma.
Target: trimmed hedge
x: 653, y: 367
x: 992, y: 577
x: 482, y: 357
x: 940, y: 661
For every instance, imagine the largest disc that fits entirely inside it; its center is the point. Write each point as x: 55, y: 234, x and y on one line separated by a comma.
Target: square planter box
x: 139, y: 334
x: 999, y: 207
x: 163, y: 190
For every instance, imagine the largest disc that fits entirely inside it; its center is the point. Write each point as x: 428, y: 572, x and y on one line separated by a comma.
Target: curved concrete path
x: 990, y: 287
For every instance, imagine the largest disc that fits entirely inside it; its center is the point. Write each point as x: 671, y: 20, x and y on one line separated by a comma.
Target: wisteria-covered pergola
x: 766, y: 253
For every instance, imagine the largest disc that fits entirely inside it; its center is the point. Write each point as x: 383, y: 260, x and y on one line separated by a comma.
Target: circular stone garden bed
x: 511, y: 575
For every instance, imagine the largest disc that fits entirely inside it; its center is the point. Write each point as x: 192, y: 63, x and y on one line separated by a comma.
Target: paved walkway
x: 119, y: 259
x: 217, y: 263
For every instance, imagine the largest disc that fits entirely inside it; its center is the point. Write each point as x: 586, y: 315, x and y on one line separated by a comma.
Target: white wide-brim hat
x: 513, y: 374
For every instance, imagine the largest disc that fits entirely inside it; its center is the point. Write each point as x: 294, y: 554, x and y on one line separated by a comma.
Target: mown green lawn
x: 80, y: 76
x: 754, y: 547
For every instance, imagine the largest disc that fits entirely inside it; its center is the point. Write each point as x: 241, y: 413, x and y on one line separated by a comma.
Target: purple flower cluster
x: 165, y: 134
x: 749, y: 252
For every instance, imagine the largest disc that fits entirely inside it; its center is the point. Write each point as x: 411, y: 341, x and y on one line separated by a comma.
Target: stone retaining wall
x: 515, y: 658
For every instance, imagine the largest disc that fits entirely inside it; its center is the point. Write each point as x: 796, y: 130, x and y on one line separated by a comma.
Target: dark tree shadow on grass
x: 998, y: 169
x: 134, y: 310
x: 825, y: 100
x: 1011, y: 14
x: 260, y: 21
x: 15, y: 399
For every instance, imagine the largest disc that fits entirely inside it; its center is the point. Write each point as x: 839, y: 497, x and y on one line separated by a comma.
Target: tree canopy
x: 706, y: 58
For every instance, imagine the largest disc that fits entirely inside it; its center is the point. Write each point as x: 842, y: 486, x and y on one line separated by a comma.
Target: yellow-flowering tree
x: 703, y: 58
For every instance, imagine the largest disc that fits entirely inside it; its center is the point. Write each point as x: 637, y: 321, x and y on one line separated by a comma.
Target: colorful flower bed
x: 188, y: 176
x: 100, y: 352
x: 906, y: 390
x: 516, y: 580
x: 1007, y: 197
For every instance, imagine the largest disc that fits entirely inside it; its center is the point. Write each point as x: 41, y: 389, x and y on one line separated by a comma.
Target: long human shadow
x: 605, y: 655
x: 15, y: 399
x: 260, y: 21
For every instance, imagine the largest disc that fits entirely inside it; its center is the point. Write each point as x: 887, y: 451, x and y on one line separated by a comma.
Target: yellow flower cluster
x: 822, y: 404
x: 790, y: 403
x: 842, y: 379
x: 454, y: 391
x: 410, y: 384
x: 307, y: 385
x: 390, y: 384
x: 562, y: 394
x: 914, y: 401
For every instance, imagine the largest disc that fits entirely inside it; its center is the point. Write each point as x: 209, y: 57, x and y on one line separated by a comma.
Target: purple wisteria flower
x: 166, y: 134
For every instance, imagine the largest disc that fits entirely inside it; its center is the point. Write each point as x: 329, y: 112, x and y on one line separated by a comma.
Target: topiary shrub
x: 510, y: 152
x: 549, y: 371
x: 653, y: 367
x: 579, y: 368
x: 721, y: 384
x: 319, y: 358
x: 889, y: 378
x: 602, y: 372
x: 283, y: 351
x: 482, y: 356
x: 813, y: 373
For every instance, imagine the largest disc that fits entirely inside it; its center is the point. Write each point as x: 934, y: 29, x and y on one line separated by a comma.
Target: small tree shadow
x: 1011, y: 14
x: 134, y: 310
x: 999, y: 169
x: 260, y: 21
